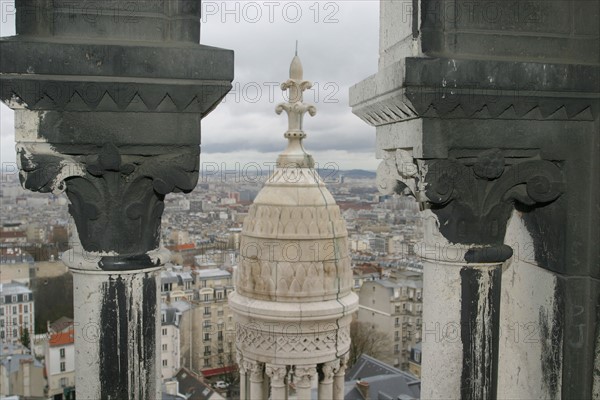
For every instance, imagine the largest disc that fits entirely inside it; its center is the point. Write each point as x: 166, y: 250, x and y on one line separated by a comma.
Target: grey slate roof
x: 192, y: 387
x: 385, y: 381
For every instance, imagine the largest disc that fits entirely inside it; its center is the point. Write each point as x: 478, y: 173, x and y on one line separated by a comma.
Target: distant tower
x: 293, y: 301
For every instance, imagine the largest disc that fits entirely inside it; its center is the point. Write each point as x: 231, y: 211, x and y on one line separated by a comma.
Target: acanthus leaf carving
x: 474, y: 202
x: 109, y: 188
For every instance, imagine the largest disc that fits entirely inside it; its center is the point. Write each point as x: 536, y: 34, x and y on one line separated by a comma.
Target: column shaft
x: 464, y: 327
x: 117, y: 316
x: 338, y: 380
x: 243, y: 384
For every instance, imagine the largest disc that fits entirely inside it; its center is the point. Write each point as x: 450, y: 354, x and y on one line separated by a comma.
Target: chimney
x: 363, y: 388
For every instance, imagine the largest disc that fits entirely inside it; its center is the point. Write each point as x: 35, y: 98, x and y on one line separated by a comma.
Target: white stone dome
x: 293, y: 301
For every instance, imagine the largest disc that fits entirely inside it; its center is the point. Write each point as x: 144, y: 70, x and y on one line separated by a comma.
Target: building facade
x: 17, y: 312
x: 170, y: 341
x: 207, y: 327
x: 59, y: 359
x: 394, y: 306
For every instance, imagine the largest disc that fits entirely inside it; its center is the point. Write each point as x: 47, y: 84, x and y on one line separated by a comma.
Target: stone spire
x: 295, y: 154
x: 293, y: 302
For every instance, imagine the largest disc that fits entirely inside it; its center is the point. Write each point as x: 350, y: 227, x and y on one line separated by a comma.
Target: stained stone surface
x: 489, y: 113
x: 109, y: 96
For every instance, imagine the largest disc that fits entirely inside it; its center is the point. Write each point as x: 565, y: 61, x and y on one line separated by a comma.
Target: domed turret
x: 293, y: 300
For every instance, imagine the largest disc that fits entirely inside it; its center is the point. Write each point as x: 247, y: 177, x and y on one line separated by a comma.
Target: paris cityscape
x: 202, y: 231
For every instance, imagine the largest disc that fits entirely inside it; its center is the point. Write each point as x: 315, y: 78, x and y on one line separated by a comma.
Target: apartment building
x: 59, y: 359
x: 170, y: 352
x: 394, y: 306
x: 16, y: 311
x: 177, y: 284
x: 207, y: 329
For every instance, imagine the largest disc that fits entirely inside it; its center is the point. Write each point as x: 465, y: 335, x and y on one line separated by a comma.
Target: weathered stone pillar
x: 104, y: 113
x: 303, y: 376
x: 277, y: 377
x: 257, y: 376
x: 464, y: 327
x: 243, y: 377
x: 338, y: 378
x: 326, y: 374
x: 493, y: 140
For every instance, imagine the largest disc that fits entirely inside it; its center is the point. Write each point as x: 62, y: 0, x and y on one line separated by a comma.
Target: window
x: 207, y: 297
x: 26, y: 297
x: 165, y: 363
x: 206, y: 324
x: 418, y: 356
x: 1, y: 334
x: 15, y: 333
x: 1, y: 310
x: 207, y: 362
x: 13, y: 299
x: 1, y: 299
x: 164, y: 347
x: 219, y: 295
x: 1, y: 323
x: 207, y: 336
x: 62, y: 353
x: 62, y: 367
x: 206, y: 310
x: 164, y: 331
x: 64, y: 382
x: 207, y: 350
x: 15, y: 310
x: 25, y: 308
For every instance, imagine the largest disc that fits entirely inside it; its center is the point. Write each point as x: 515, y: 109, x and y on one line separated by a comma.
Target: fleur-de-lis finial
x: 294, y: 154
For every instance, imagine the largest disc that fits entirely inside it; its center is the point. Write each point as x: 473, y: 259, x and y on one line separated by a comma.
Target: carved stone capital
x: 117, y: 198
x: 474, y: 192
x: 255, y: 369
x: 328, y: 370
x: 343, y: 363
x: 277, y: 373
x: 474, y: 197
x: 304, y: 374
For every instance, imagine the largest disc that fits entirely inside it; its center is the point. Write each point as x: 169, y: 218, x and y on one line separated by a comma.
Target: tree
x: 367, y: 340
x: 25, y: 339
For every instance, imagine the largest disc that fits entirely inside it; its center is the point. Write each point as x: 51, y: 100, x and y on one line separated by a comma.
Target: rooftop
x: 213, y: 273
x: 9, y: 289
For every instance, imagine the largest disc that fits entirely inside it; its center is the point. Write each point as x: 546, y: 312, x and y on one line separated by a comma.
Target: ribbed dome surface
x: 294, y: 241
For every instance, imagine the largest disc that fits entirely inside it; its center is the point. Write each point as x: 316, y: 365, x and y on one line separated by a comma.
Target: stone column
x: 303, y: 376
x: 104, y: 115
x: 498, y: 151
x: 277, y: 375
x: 326, y: 374
x: 463, y: 326
x: 243, y: 377
x: 257, y: 377
x: 338, y: 378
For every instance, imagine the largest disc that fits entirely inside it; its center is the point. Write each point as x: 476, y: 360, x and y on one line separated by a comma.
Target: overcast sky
x: 338, y: 46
